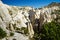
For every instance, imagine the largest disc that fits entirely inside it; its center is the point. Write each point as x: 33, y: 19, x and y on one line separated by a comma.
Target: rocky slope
x: 23, y: 21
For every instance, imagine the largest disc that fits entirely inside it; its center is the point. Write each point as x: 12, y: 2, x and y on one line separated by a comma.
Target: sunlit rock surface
x: 13, y: 18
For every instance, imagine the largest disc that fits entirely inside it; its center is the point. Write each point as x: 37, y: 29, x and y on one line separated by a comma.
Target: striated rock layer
x: 23, y: 21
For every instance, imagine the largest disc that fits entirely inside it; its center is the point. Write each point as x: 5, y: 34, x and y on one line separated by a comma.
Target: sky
x: 32, y: 3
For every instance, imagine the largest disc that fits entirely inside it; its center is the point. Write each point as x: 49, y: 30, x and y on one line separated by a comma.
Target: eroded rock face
x: 19, y: 20
x: 12, y: 19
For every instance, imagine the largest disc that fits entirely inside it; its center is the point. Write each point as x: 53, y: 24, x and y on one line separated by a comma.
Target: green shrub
x: 14, y: 39
x: 50, y: 31
x: 25, y: 30
x: 2, y: 33
x: 11, y: 34
x: 17, y: 28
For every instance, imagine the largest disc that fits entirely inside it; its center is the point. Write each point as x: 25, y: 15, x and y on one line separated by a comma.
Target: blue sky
x: 32, y: 3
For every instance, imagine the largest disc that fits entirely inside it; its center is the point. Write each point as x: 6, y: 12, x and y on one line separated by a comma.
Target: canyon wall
x: 23, y: 21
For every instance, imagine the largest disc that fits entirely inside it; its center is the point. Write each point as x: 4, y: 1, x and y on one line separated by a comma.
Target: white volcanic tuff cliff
x: 13, y: 16
x: 44, y: 15
x: 47, y: 13
x: 3, y: 16
x: 21, y: 19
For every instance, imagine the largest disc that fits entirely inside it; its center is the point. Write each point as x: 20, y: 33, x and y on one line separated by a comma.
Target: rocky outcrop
x: 23, y: 21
